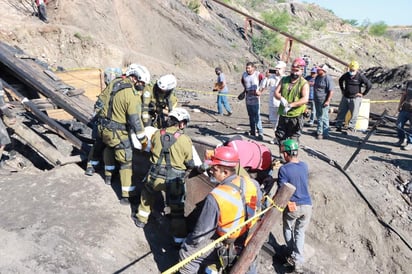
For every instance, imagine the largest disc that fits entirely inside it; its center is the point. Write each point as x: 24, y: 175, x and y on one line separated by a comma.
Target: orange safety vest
x: 231, y: 207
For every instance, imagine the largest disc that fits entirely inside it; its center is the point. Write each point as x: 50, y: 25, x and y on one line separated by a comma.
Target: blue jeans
x: 348, y: 104
x: 322, y: 115
x: 294, y: 226
x: 403, y: 117
x: 222, y: 101
x: 312, y: 112
x: 253, y: 112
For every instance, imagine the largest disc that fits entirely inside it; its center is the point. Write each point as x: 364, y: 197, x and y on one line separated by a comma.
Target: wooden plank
x: 52, y: 155
x: 90, y: 80
x: 31, y: 73
x: 261, y: 233
x: 44, y: 118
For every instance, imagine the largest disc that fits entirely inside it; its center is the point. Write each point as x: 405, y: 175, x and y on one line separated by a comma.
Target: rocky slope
x: 167, y: 36
x: 64, y: 222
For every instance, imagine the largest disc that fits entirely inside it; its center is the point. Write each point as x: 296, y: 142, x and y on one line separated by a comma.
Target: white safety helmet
x: 180, y: 114
x: 167, y: 82
x: 141, y: 72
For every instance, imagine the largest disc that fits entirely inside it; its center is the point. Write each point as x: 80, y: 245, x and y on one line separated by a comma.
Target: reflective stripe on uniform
x: 179, y: 240
x: 144, y: 214
x: 94, y: 163
x: 236, y: 202
x: 109, y: 167
x: 128, y: 188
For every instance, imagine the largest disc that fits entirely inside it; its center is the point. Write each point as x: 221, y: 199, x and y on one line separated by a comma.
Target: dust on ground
x: 61, y: 221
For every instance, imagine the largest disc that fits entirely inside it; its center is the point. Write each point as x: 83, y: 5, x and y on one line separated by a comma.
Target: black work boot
x: 137, y: 222
x: 108, y: 180
x: 89, y: 170
x: 124, y: 201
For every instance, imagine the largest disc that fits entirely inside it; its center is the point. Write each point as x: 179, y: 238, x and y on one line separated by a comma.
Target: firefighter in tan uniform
x: 96, y: 151
x: 121, y: 127
x: 171, y: 156
x: 159, y: 101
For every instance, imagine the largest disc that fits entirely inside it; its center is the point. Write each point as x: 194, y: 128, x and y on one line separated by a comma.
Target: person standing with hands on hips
x: 351, y: 84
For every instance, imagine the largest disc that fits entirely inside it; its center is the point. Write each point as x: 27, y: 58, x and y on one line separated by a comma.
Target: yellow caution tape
x: 205, y: 92
x: 212, y: 245
x: 211, y: 92
x: 385, y: 101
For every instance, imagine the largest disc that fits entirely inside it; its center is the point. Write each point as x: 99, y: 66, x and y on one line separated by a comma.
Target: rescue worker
x: 121, y: 127
x: 97, y: 149
x: 171, y: 157
x: 293, y: 93
x: 234, y: 200
x: 158, y: 102
x: 255, y: 159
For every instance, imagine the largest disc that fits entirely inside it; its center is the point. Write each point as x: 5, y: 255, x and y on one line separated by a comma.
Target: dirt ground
x: 61, y: 221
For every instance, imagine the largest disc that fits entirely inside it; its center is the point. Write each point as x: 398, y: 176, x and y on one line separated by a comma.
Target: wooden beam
x: 52, y: 155
x: 60, y: 130
x: 34, y: 76
x: 261, y: 233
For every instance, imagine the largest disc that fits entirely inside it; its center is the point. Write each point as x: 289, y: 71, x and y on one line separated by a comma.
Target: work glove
x: 284, y: 102
x: 203, y: 167
x: 140, y: 142
x: 286, y: 109
x: 135, y: 141
x: 144, y: 141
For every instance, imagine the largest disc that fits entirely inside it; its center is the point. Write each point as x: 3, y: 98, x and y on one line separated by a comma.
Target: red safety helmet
x: 298, y: 62
x: 225, y: 156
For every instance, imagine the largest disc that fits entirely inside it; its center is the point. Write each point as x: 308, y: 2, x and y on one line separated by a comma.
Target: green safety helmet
x: 290, y: 146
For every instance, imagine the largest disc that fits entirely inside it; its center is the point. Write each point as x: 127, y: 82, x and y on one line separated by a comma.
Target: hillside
x: 167, y: 36
x: 61, y: 221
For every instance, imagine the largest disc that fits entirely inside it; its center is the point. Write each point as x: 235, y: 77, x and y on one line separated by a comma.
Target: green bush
x: 352, y: 22
x: 194, y: 5
x: 378, y: 29
x: 318, y: 24
x: 269, y: 44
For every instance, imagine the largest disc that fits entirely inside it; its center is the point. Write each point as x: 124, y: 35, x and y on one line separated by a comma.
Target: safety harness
x: 174, y: 179
x: 107, y: 122
x: 160, y: 105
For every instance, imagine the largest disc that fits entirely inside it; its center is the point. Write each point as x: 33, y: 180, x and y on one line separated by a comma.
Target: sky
x: 392, y: 12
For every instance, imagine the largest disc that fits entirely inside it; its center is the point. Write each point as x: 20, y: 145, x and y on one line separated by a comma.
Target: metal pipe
x: 283, y: 33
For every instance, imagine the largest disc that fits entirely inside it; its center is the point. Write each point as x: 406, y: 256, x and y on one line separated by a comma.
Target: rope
x: 212, y: 245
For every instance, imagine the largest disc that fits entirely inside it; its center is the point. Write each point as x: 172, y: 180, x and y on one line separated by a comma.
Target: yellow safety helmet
x: 353, y: 65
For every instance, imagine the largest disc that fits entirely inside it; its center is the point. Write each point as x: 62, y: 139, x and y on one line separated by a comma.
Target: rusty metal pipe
x: 283, y: 33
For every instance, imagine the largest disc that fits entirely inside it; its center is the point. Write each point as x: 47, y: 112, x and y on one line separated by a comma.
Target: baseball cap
x: 314, y: 70
x: 324, y: 67
x: 280, y: 65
